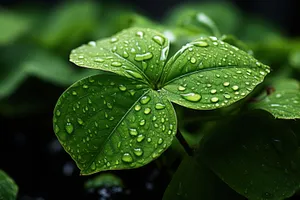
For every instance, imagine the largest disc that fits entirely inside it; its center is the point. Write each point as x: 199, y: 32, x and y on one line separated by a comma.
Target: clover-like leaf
x: 209, y: 73
x: 8, y: 188
x: 284, y: 102
x: 137, y: 53
x: 258, y: 161
x: 110, y: 122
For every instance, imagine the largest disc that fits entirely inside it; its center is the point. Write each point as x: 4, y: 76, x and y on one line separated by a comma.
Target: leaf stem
x: 184, y: 143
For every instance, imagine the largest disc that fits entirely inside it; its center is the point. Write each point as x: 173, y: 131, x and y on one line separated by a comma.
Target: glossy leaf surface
x: 8, y: 188
x: 110, y: 122
x: 284, y: 102
x: 209, y: 73
x: 259, y: 162
x: 137, y: 53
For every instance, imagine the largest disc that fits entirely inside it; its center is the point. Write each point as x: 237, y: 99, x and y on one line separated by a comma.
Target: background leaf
x: 108, y: 122
x: 8, y: 188
x: 259, y: 162
x: 193, y: 181
x: 208, y: 74
x: 135, y: 52
x: 284, y: 102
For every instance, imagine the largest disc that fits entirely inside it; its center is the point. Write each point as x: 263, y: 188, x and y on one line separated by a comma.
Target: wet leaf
x: 259, y: 162
x: 8, y: 188
x: 104, y: 180
x: 284, y: 102
x: 137, y: 53
x: 193, y: 181
x: 294, y: 59
x: 108, y: 122
x: 208, y: 74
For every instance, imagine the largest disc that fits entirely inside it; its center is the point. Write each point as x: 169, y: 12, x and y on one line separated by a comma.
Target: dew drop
x: 149, y: 139
x: 142, y: 122
x: 142, y: 57
x: 113, y: 40
x: 227, y: 96
x: 213, y: 91
x: 147, y: 111
x: 134, y: 74
x: 127, y: 158
x: 99, y: 60
x: 235, y: 87
x: 140, y: 138
x: 214, y: 99
x: 137, y: 107
x: 122, y: 88
x: 93, y: 166
x: 159, y: 106
x: 57, y: 113
x: 193, y: 60
x: 226, y: 84
x: 145, y: 99
x: 138, y: 151
x: 158, y: 39
x: 140, y: 34
x: 191, y: 97
x: 109, y: 105
x: 116, y: 64
x: 181, y: 88
x: 69, y: 128
x: 80, y: 121
x: 56, y: 129
x: 74, y: 93
x: 160, y: 141
x: 133, y: 132
x: 201, y: 44
x: 125, y: 54
x: 92, y: 43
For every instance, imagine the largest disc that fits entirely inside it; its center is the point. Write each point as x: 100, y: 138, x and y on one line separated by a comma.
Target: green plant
x: 124, y: 118
x: 8, y: 188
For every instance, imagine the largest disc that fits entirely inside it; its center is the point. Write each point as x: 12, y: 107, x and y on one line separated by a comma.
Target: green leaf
x: 68, y: 24
x: 8, y: 188
x: 108, y: 122
x: 137, y: 53
x: 284, y: 102
x: 193, y: 181
x: 13, y: 25
x: 209, y: 73
x: 294, y: 59
x: 103, y: 180
x: 255, y: 155
x: 232, y: 40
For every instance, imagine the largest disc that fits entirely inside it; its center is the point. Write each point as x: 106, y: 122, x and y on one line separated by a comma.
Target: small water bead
x: 227, y: 96
x: 116, y: 64
x: 235, y: 87
x: 142, y: 122
x: 137, y: 107
x: 147, y: 111
x: 74, y: 93
x: 109, y: 105
x: 133, y: 132
x: 92, y: 43
x: 193, y: 60
x: 193, y: 97
x: 125, y: 54
x: 140, y: 138
x: 154, y: 118
x: 80, y: 121
x: 149, y: 139
x: 160, y: 141
x: 138, y: 151
x: 112, y: 40
x: 69, y: 128
x: 142, y: 57
x: 159, y: 40
x: 56, y: 129
x: 181, y: 88
x: 214, y: 99
x: 140, y: 34
x: 145, y: 99
x: 226, y: 84
x: 262, y: 73
x: 201, y: 44
x: 134, y: 74
x: 122, y: 88
x: 127, y: 158
x: 159, y: 106
x: 57, y: 113
x: 213, y: 91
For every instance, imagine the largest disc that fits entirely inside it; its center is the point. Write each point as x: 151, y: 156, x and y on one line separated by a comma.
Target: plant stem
x: 184, y: 143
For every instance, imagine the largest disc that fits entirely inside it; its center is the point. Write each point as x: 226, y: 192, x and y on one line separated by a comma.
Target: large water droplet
x: 140, y: 34
x: 147, y: 111
x: 213, y: 91
x: 191, y: 97
x: 133, y: 132
x: 214, y: 99
x: 127, y: 158
x: 93, y: 166
x: 122, y: 88
x: 159, y: 40
x: 181, y: 88
x: 137, y: 107
x: 92, y: 43
x: 142, y: 122
x: 116, y: 64
x: 69, y: 128
x: 142, y: 57
x: 138, y: 151
x: 145, y: 99
x: 226, y: 84
x: 160, y: 141
x: 134, y: 74
x: 113, y: 40
x: 200, y: 44
x: 193, y: 60
x: 99, y: 60
x: 235, y: 87
x: 140, y: 138
x: 159, y: 106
